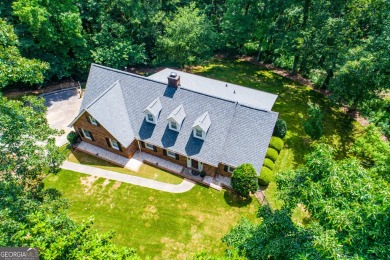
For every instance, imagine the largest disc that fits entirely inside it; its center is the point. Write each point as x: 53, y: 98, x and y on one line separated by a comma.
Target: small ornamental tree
x: 280, y: 129
x: 244, y: 179
x: 313, y: 124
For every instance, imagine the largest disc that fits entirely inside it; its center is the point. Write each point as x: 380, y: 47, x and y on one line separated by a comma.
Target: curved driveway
x: 186, y: 185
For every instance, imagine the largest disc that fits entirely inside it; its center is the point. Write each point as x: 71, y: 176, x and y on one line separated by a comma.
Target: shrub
x: 244, y: 179
x: 266, y: 176
x: 202, y: 174
x: 276, y: 143
x: 280, y: 129
x: 272, y: 154
x: 269, y: 164
x: 72, y: 137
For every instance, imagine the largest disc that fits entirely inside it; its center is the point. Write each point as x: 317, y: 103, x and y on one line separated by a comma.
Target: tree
x: 187, y: 39
x: 277, y: 237
x: 313, y: 125
x: 13, y: 67
x: 348, y: 205
x: 280, y: 129
x: 244, y: 179
x: 27, y: 146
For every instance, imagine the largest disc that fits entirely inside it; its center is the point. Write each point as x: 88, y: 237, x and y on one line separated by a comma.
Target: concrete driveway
x: 62, y: 107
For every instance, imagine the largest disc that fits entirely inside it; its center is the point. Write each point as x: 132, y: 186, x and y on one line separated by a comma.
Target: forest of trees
x: 341, y: 46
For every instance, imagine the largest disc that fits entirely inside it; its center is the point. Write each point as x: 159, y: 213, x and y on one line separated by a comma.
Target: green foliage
x: 266, y: 176
x: 40, y: 220
x: 346, y: 201
x: 72, y: 137
x: 313, y: 124
x: 187, y: 38
x: 272, y: 154
x: 277, y: 237
x: 27, y: 142
x: 269, y: 164
x: 13, y: 67
x: 276, y: 143
x: 244, y: 179
x: 378, y: 112
x: 280, y: 129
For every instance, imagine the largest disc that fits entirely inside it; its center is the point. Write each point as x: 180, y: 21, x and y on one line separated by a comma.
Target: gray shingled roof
x: 243, y: 95
x: 178, y: 114
x: 203, y: 122
x: 155, y: 107
x: 237, y: 133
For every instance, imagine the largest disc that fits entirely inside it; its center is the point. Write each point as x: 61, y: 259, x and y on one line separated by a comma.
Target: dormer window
x: 153, y: 111
x: 149, y: 118
x: 173, y: 125
x: 176, y: 118
x: 198, y: 133
x: 201, y: 126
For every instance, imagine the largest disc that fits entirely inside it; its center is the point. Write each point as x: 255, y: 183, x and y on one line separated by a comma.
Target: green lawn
x: 145, y: 171
x: 158, y: 224
x: 340, y: 129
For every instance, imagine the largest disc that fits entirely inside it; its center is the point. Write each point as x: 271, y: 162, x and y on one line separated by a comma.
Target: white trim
x: 170, y: 122
x: 93, y: 120
x: 112, y: 144
x: 149, y: 146
x: 230, y: 169
x: 189, y: 162
x: 195, y: 133
x: 147, y: 114
x: 85, y: 135
x: 171, y: 154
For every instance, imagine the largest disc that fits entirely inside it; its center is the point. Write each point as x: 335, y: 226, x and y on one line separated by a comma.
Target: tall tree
x: 187, y: 38
x: 13, y: 67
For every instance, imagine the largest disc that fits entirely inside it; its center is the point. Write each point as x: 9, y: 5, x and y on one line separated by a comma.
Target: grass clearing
x: 291, y: 104
x: 158, y: 224
x: 145, y: 171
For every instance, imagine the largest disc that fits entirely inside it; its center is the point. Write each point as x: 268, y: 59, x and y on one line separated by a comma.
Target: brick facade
x: 221, y: 171
x: 100, y: 134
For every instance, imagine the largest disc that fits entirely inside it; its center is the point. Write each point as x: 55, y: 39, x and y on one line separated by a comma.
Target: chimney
x: 173, y: 80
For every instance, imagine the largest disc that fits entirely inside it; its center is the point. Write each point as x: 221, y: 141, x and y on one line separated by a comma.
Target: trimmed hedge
x: 269, y: 164
x: 272, y: 154
x: 266, y: 176
x: 72, y: 137
x: 276, y: 143
x: 280, y: 129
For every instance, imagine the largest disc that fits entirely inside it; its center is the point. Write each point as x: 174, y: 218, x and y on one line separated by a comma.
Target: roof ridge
x: 103, y: 93
x: 128, y: 73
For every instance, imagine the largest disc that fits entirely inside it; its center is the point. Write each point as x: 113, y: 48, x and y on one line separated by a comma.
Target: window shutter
x: 81, y: 132
x: 91, y: 136
x: 108, y: 142
x: 120, y: 146
x: 89, y: 120
x: 165, y: 152
x: 225, y: 168
x: 177, y: 157
x: 143, y: 144
x: 154, y: 148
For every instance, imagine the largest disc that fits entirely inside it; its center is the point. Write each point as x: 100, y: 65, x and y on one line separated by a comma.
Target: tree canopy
x: 244, y: 179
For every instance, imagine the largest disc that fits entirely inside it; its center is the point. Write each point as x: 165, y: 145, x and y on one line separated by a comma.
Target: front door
x: 194, y: 164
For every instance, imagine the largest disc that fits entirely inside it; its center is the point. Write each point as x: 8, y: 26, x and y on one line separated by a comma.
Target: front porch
x: 139, y: 158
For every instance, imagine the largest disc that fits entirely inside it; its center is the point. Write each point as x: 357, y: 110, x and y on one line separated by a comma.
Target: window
x: 173, y: 125
x: 198, y: 133
x: 230, y: 169
x: 87, y: 134
x: 93, y: 120
x: 149, y: 146
x: 149, y: 118
x: 171, y: 154
x: 115, y: 144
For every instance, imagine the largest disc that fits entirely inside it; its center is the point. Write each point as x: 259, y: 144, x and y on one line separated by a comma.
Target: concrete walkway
x: 186, y: 185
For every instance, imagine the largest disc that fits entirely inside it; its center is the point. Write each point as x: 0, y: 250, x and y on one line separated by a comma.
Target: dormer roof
x: 203, y: 122
x: 154, y: 108
x: 178, y: 114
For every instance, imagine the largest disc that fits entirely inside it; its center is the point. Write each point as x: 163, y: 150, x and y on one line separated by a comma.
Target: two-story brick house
x: 196, y: 122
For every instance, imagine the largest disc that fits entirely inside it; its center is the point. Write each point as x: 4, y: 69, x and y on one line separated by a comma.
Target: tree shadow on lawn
x: 234, y: 200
